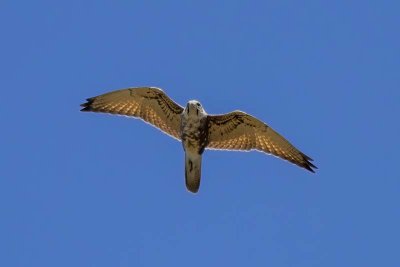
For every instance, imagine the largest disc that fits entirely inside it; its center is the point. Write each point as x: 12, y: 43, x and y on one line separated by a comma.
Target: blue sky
x: 80, y: 189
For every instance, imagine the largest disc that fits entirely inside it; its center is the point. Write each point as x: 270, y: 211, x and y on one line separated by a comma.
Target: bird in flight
x: 196, y: 129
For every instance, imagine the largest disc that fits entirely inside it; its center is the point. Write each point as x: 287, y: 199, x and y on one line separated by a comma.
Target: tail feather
x: 192, y: 172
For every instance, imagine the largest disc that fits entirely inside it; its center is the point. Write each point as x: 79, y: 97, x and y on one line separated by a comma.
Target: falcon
x: 196, y: 129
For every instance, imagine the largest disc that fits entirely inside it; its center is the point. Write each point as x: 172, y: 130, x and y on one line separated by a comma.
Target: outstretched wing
x: 150, y: 104
x: 240, y: 131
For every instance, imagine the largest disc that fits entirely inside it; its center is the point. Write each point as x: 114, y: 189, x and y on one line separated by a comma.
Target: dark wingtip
x: 309, y: 168
x: 308, y: 165
x: 88, y: 105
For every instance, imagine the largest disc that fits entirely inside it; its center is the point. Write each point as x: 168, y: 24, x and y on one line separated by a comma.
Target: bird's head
x: 194, y: 107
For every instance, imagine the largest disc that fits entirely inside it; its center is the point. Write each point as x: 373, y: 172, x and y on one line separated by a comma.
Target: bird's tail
x: 192, y: 171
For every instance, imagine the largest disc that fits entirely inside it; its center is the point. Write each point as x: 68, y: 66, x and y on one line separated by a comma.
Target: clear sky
x: 81, y: 189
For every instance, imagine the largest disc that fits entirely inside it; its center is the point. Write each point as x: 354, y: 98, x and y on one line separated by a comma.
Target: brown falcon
x: 196, y: 129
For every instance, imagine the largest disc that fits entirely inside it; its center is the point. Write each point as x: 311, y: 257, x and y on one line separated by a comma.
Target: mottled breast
x: 194, y: 132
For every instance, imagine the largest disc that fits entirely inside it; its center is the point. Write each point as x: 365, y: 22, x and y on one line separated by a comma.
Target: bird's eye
x: 198, y: 104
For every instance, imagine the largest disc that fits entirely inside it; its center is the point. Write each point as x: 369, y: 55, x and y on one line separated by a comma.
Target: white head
x: 194, y: 108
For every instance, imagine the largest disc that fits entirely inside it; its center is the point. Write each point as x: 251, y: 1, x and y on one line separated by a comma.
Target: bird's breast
x: 194, y: 134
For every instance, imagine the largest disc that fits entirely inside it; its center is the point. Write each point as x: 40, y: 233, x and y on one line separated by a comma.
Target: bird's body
x: 196, y: 129
x: 194, y: 132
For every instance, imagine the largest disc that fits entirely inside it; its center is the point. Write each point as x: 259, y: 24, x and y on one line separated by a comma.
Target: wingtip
x: 307, y: 163
x: 86, y: 109
x: 309, y: 166
x: 87, y: 106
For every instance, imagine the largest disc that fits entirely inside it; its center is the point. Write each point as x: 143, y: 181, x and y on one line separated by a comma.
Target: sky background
x: 82, y: 189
